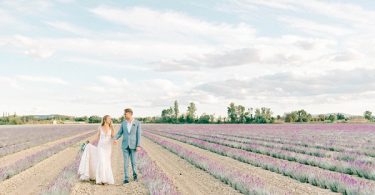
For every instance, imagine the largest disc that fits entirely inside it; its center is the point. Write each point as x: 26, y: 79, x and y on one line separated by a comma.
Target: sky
x: 99, y: 57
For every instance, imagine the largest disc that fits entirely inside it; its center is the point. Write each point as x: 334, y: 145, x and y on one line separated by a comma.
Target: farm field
x: 198, y: 159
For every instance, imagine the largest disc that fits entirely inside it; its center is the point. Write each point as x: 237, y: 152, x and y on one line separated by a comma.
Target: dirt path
x: 11, y: 158
x: 278, y: 182
x: 187, y: 178
x: 118, y: 173
x: 36, y: 178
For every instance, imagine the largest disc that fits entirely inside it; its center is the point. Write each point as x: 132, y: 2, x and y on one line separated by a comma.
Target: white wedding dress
x: 96, y: 161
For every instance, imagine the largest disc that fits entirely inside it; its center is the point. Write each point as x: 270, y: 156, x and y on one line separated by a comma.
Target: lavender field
x: 337, y: 157
x: 198, y: 159
x: 16, y: 138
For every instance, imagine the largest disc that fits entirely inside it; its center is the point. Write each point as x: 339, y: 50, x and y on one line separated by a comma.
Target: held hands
x: 137, y: 149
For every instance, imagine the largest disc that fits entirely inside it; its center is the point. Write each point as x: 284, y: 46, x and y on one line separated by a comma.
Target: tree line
x: 173, y: 114
x: 15, y: 119
x: 241, y: 114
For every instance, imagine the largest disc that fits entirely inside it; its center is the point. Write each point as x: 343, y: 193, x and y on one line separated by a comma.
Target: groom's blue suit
x: 130, y: 142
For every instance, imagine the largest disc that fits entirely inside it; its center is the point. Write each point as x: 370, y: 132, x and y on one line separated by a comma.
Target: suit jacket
x: 132, y: 139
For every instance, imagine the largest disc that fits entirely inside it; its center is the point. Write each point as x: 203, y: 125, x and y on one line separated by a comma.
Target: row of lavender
x: 154, y: 179
x: 29, y: 161
x: 65, y: 180
x: 360, y: 136
x: 243, y: 182
x: 336, y: 182
x: 364, y: 147
x: 353, y: 167
x: 343, y: 155
x: 358, y: 150
x: 297, y: 141
x: 17, y: 138
x: 351, y: 136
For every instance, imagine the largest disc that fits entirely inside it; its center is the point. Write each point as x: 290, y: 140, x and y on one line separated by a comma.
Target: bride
x: 95, y: 162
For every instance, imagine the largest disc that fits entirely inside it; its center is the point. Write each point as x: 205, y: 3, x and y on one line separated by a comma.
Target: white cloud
x: 68, y: 27
x: 21, y: 81
x: 347, y: 11
x: 174, y: 24
x: 119, y: 90
x: 315, y: 28
x: 214, y: 60
x: 6, y: 18
x: 65, y: 1
x: 98, y: 49
x: 287, y: 51
x: 294, y: 84
x: 9, y: 82
x: 42, y: 79
x: 27, y: 7
x: 347, y: 56
x: 31, y: 47
x: 276, y: 53
x: 113, y: 82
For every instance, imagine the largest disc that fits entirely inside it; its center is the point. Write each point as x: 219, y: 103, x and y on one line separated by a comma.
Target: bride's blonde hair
x: 110, y: 124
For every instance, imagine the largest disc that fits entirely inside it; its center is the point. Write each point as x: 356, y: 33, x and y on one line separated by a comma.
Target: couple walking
x: 95, y: 162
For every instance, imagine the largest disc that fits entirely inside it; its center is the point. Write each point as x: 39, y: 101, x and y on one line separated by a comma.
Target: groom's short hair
x: 129, y: 110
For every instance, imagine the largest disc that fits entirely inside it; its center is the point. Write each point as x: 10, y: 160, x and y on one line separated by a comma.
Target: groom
x: 131, y: 129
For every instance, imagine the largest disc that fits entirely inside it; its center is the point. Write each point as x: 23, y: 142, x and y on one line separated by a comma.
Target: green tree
x: 321, y: 117
x: 204, y: 118
x: 190, y: 115
x: 176, y: 110
x: 95, y: 119
x: 81, y: 119
x: 332, y: 117
x: 298, y: 116
x: 241, y: 114
x: 15, y: 120
x: 340, y: 116
x: 232, y: 113
x: 167, y: 115
x: 249, y: 115
x: 291, y: 117
x: 303, y: 116
x: 116, y: 120
x: 182, y: 118
x: 219, y: 119
x: 263, y: 115
x: 368, y: 115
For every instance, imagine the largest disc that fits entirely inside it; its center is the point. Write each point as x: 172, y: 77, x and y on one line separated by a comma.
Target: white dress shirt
x: 129, y: 125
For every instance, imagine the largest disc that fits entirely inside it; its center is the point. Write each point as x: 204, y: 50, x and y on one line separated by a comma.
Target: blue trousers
x: 127, y: 152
